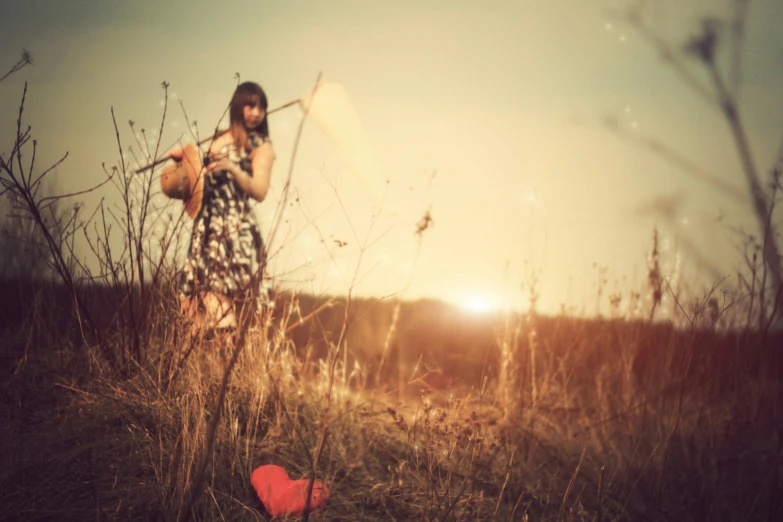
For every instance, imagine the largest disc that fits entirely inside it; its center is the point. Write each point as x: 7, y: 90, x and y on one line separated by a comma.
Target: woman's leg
x: 219, y: 311
x: 190, y: 307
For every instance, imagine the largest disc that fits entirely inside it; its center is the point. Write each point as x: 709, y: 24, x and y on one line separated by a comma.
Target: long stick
x: 164, y: 159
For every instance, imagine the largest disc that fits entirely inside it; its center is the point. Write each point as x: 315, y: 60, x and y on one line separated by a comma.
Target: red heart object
x: 283, y: 496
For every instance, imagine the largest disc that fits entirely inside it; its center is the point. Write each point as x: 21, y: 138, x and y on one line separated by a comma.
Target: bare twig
x: 26, y: 59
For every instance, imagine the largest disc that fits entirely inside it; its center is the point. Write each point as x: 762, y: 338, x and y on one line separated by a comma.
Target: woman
x: 226, y: 251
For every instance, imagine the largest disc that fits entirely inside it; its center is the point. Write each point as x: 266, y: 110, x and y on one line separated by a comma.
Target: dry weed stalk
x: 722, y: 93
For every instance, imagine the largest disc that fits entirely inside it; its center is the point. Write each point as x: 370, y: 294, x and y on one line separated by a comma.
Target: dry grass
x: 632, y: 420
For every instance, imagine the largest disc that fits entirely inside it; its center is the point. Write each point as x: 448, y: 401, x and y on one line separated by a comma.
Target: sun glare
x: 478, y: 305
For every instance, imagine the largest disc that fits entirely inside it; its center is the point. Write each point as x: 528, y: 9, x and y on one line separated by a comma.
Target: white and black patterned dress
x: 226, y: 249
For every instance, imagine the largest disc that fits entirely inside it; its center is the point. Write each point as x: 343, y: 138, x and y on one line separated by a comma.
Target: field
x: 666, y: 404
x: 577, y: 419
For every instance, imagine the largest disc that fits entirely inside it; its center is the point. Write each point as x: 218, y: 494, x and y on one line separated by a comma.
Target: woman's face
x: 254, y: 115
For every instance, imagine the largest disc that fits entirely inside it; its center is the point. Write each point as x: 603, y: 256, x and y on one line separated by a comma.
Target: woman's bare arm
x: 257, y: 185
x: 262, y: 162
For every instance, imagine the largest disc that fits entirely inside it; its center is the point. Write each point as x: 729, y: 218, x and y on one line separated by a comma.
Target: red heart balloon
x: 283, y: 496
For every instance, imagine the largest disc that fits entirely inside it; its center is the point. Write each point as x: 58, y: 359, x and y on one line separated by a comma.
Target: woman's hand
x: 257, y: 184
x: 223, y: 164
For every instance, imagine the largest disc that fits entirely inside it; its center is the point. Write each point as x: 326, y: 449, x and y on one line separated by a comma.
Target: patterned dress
x: 226, y: 249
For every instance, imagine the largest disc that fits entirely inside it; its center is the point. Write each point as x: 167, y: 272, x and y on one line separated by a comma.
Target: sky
x: 490, y: 115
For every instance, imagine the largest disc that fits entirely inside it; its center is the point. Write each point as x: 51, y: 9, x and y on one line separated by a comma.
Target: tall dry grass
x: 634, y: 420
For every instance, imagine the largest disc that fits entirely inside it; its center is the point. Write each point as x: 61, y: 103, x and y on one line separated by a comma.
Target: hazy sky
x: 502, y: 100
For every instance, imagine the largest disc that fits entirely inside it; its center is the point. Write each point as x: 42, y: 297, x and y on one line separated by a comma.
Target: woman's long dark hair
x: 248, y: 93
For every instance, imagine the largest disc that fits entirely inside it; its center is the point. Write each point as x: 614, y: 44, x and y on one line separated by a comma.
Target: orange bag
x: 184, y: 180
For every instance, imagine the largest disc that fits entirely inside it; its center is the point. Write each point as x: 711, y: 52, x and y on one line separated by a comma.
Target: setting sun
x: 479, y: 304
